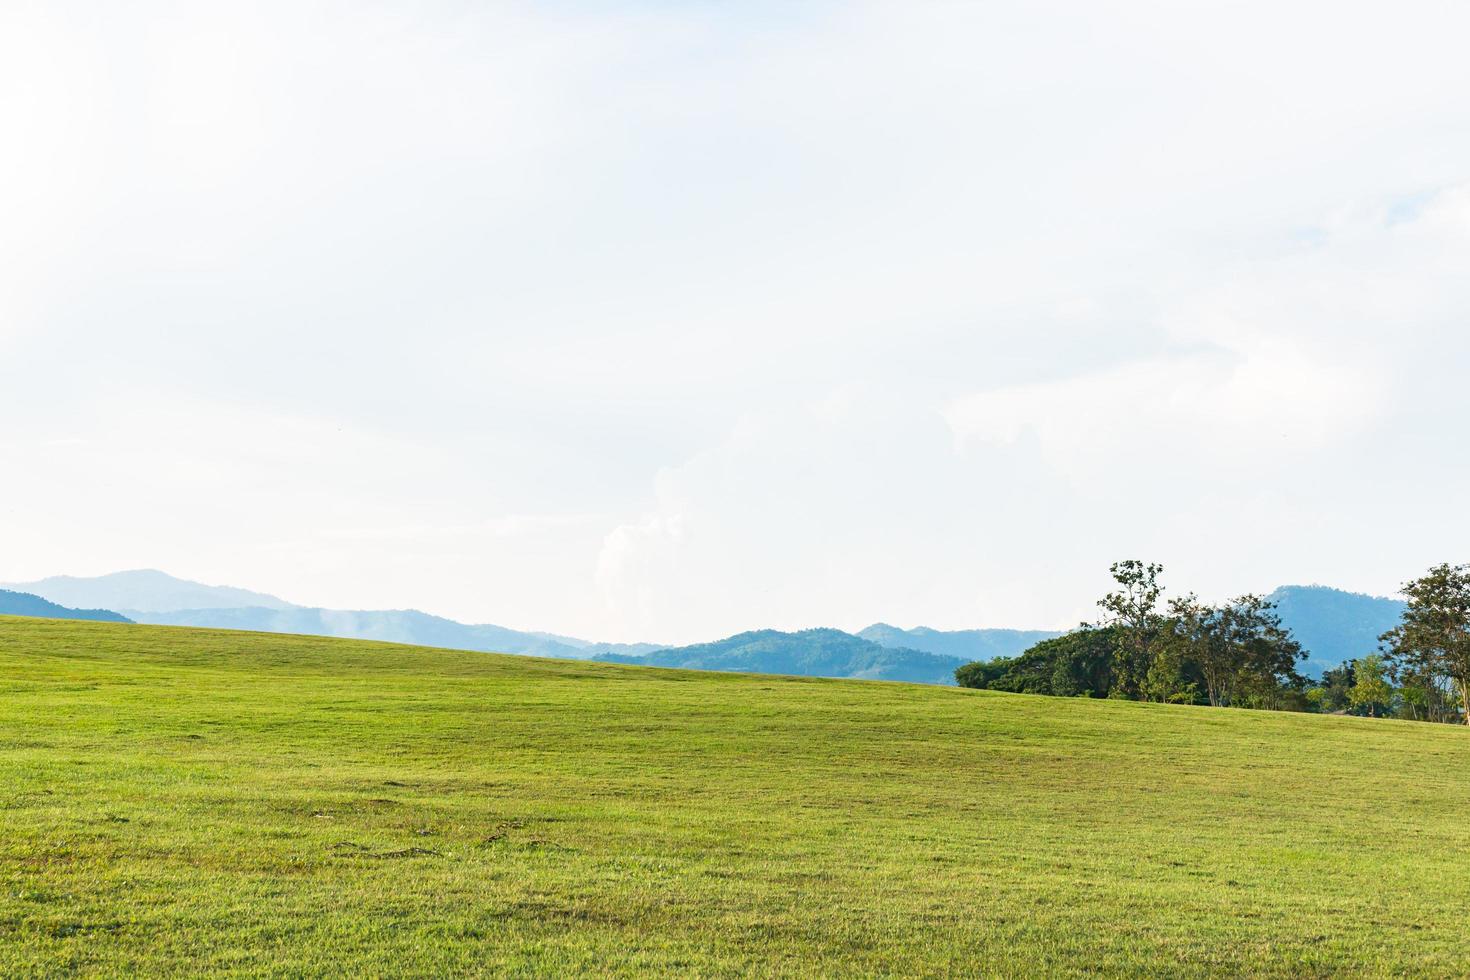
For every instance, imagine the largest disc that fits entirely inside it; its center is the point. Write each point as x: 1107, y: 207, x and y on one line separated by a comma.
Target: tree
x: 1132, y: 613
x: 1237, y: 648
x: 1371, y: 691
x: 1194, y: 634
x: 1268, y: 652
x: 1424, y: 693
x: 1433, y: 638
x: 1416, y: 701
x: 982, y: 673
x: 1077, y: 663
x: 1336, y: 681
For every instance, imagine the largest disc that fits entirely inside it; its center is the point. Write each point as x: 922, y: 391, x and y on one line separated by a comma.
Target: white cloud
x: 1254, y: 404
x: 637, y: 570
x: 664, y: 319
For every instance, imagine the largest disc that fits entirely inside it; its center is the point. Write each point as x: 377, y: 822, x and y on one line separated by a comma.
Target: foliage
x: 1240, y: 650
x: 1132, y: 611
x: 1079, y: 663
x: 982, y: 673
x: 1430, y: 648
x: 1238, y: 653
x: 1371, y: 692
x: 1332, y: 692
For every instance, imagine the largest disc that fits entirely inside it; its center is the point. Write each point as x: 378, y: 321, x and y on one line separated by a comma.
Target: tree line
x: 1239, y: 654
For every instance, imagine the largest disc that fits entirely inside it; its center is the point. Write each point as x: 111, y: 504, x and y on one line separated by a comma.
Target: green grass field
x: 181, y: 801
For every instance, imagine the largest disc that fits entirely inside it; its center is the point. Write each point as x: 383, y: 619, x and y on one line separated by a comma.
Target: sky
x: 660, y: 321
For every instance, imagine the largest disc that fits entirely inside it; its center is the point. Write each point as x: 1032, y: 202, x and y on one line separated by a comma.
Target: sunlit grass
x: 190, y: 800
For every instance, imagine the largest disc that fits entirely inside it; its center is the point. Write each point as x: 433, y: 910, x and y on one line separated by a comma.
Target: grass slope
x: 182, y: 801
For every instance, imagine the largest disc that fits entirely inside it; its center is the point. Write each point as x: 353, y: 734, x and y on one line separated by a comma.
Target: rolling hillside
x: 808, y: 653
x: 179, y: 801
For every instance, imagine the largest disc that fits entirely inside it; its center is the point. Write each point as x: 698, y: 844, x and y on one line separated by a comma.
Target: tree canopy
x: 1190, y: 652
x: 1430, y: 648
x: 1239, y: 654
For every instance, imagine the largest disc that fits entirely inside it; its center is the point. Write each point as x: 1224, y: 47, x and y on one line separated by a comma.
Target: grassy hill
x: 180, y: 800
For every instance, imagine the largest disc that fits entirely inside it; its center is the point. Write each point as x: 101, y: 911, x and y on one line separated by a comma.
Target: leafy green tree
x: 982, y: 673
x: 1371, y: 692
x: 1415, y: 700
x: 1192, y: 636
x: 1336, y: 682
x: 1165, y: 680
x: 1423, y: 694
x: 1237, y: 648
x: 1267, y: 693
x: 1064, y: 683
x: 1238, y: 653
x: 1269, y: 654
x: 1433, y: 638
x: 1076, y: 664
x: 1131, y: 611
x: 1316, y: 695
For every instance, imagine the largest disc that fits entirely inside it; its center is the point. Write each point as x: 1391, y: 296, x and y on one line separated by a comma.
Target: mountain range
x: 1331, y: 624
x: 965, y: 645
x: 144, y: 590
x: 157, y: 598
x: 391, y: 625
x: 809, y: 653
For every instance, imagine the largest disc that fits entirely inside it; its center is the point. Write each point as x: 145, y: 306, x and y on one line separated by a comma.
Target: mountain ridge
x: 971, y: 644
x: 144, y: 589
x: 1332, y: 624
x: 29, y: 604
x: 821, y: 652
x: 408, y: 626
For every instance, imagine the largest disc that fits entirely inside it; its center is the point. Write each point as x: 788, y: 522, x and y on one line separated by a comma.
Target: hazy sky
x: 657, y: 320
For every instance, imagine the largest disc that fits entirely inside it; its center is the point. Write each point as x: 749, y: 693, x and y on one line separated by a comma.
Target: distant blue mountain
x: 967, y: 645
x: 809, y: 653
x: 394, y: 626
x: 150, y: 596
x: 1334, y: 626
x: 25, y: 604
x: 145, y: 589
